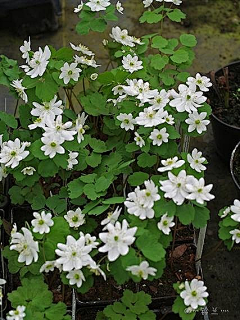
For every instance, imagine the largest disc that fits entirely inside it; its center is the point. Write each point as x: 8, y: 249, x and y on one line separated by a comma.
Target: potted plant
x: 105, y: 170
x: 224, y: 99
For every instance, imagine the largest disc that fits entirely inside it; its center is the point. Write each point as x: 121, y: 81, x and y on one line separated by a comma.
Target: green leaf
x: 64, y: 54
x: 180, y: 56
x: 8, y: 119
x: 95, y: 104
x: 146, y: 160
x: 137, y: 178
x: 131, y: 147
x: 182, y: 76
x: 224, y: 232
x: 46, y: 88
x: 176, y: 15
x: 83, y: 27
x: 98, y: 210
x: 89, y: 190
x: 188, y: 40
x: 35, y: 149
x: 88, y: 178
x: 150, y: 17
x: 149, y: 315
x: 56, y: 311
x: 114, y: 200
x: 97, y: 145
x: 94, y: 159
x: 159, y: 42
x: 151, y: 249
x: 185, y: 213
x: 38, y: 202
x: 158, y: 62
x: 229, y: 222
x: 25, y: 115
x: 98, y: 24
x: 106, y: 77
x: 15, y: 195
x: 47, y: 168
x: 201, y: 217
x: 75, y: 188
x: 102, y: 184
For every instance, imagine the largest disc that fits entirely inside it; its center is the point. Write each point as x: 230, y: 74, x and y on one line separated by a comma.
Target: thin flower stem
x: 75, y: 96
x: 16, y: 107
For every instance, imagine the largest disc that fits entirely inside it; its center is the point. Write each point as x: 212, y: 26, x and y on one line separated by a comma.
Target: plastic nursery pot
x: 235, y: 166
x: 225, y: 135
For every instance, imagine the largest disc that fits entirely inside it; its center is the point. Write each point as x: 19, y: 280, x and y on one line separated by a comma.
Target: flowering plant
x: 105, y: 169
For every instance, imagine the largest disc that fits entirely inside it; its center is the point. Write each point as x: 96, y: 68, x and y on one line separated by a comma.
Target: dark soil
x: 224, y: 96
x: 236, y: 166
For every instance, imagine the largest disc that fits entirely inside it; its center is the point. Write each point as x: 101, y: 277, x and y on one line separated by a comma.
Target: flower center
x: 196, y: 161
x: 148, y: 194
x: 74, y: 253
x: 131, y: 64
x: 197, y: 121
x: 41, y: 222
x: 126, y: 121
x: 238, y: 234
x: 199, y: 81
x: 165, y: 223
x: 46, y: 106
x: 200, y: 190
x: 75, y: 218
x: 76, y: 276
x: 70, y: 72
x: 159, y: 136
x: 13, y: 153
x: 179, y: 185
x: 53, y: 144
x: 188, y: 97
x: 194, y: 293
x: 116, y: 238
x: 16, y: 312
x: 159, y: 100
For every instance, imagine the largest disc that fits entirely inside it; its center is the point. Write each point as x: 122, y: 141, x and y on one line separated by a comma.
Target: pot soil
x: 224, y: 98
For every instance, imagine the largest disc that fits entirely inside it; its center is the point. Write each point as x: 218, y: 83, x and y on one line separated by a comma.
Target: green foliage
x: 34, y: 294
x: 132, y: 306
x: 180, y: 308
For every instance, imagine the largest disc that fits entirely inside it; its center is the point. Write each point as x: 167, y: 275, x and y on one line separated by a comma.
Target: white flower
x: 74, y: 254
x: 160, y: 100
x: 143, y: 270
x: 78, y: 8
x: 52, y: 146
x: 225, y: 212
x: 28, y: 171
x: 201, y: 81
x: 83, y: 49
x: 175, y: 187
x: 47, y: 266
x: 89, y: 240
x: 17, y: 85
x: 196, y: 122
x: 112, y: 217
x: 25, y: 49
x: 165, y: 224
x: 187, y: 99
x: 59, y: 129
x: 79, y: 127
x: 47, y: 110
x: 195, y: 160
x: 69, y: 71
x: 121, y: 36
x: 150, y: 117
x: 76, y: 277
x: 119, y: 89
x: 94, y: 76
x: 25, y: 245
x: 37, y: 123
x: 117, y: 240
x: 159, y: 136
x: 139, y: 140
x: 147, y: 3
x: 194, y: 294
x: 72, y: 159
x: 119, y: 7
x: 198, y: 190
x: 98, y: 5
x: 14, y: 229
x: 13, y: 152
x: 140, y: 89
x: 137, y: 206
x: 85, y: 61
x: 150, y: 194
x: 39, y: 62
x: 131, y: 64
x: 176, y: 2
x: 105, y: 42
x: 75, y: 218
x: 169, y: 119
x: 42, y: 222
x: 170, y: 164
x: 235, y: 208
x: 235, y: 235
x: 17, y: 314
x: 127, y: 121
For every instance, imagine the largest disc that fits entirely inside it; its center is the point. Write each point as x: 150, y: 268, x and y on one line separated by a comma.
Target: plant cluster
x: 105, y: 168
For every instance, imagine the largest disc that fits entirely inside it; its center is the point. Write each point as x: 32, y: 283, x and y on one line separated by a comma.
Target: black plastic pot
x: 226, y: 136
x: 235, y: 154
